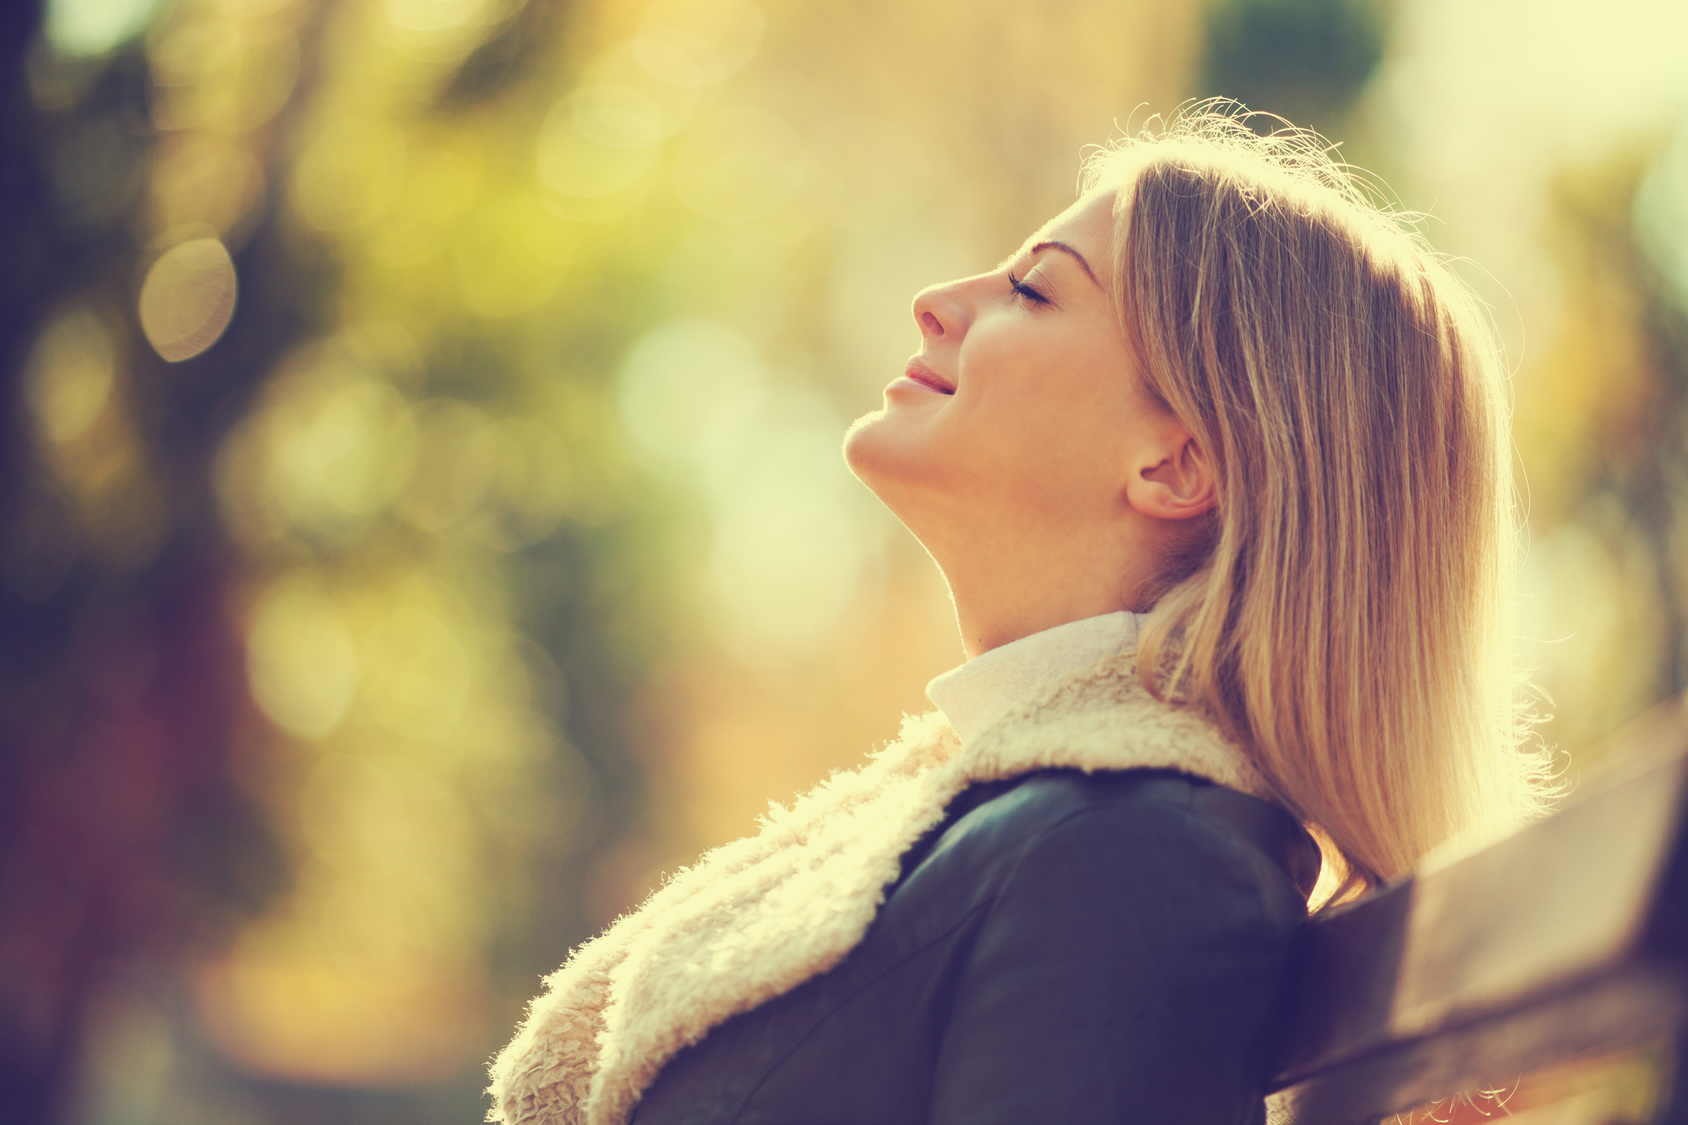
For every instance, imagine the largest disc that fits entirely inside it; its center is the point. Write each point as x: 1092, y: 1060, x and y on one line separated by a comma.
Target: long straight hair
x: 1344, y: 614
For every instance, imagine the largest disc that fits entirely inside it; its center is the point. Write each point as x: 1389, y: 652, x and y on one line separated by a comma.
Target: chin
x: 867, y: 447
x: 892, y: 451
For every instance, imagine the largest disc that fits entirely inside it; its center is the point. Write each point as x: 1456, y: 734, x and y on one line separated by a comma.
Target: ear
x: 1173, y: 478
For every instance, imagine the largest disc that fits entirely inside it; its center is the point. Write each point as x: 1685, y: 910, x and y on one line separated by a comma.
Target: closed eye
x: 1026, y: 291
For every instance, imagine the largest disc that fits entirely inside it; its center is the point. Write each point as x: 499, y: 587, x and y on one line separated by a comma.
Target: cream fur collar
x: 753, y: 919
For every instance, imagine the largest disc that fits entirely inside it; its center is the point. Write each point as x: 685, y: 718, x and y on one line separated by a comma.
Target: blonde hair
x: 1345, y: 614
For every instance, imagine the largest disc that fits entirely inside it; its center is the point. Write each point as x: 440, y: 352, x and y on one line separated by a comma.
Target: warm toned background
x: 364, y: 649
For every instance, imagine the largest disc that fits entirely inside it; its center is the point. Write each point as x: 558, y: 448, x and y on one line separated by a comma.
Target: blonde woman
x: 1217, y: 468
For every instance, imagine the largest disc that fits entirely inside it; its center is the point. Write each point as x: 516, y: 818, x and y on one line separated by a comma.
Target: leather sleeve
x: 1130, y: 970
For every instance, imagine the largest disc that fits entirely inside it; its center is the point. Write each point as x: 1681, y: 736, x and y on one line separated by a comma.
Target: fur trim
x: 755, y: 918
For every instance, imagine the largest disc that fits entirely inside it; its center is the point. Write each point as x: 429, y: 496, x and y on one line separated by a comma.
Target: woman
x: 1217, y: 469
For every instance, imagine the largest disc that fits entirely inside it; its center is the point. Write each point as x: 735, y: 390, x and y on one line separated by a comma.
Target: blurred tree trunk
x: 126, y: 836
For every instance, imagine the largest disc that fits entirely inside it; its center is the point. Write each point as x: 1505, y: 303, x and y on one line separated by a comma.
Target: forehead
x: 1087, y: 225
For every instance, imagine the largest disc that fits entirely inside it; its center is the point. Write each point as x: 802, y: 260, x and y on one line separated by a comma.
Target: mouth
x: 918, y: 372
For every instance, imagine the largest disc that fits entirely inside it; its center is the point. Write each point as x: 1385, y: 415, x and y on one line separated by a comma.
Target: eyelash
x: 1026, y: 291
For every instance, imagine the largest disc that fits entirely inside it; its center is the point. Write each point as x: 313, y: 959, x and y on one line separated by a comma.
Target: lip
x: 917, y: 372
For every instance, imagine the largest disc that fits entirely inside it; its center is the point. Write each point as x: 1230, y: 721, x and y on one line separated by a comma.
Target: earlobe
x: 1179, y: 486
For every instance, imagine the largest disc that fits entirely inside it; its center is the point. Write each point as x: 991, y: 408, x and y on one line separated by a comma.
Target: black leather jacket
x: 1064, y: 947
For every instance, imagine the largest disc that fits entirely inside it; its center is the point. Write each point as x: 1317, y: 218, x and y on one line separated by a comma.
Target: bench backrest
x: 1567, y: 941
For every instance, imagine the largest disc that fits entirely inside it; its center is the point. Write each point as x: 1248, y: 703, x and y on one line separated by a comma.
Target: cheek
x: 1045, y: 425
x: 1031, y: 435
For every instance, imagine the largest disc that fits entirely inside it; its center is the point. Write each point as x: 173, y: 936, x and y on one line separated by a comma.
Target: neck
x: 997, y: 605
x: 1009, y: 578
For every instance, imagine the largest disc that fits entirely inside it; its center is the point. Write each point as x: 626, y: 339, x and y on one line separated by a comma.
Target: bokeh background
x: 421, y: 517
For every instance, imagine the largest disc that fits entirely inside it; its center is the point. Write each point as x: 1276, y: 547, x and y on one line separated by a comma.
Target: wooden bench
x: 1546, y: 975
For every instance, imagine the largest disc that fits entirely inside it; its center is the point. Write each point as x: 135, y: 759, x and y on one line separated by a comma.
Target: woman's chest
x: 856, y: 1044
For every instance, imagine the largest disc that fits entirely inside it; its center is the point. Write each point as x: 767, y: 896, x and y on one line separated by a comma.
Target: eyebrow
x: 1052, y: 244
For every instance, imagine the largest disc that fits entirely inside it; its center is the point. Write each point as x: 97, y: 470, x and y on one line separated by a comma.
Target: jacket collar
x: 755, y: 918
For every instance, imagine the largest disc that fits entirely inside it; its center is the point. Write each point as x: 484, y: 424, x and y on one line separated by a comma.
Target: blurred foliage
x: 421, y: 519
x: 1602, y: 426
x: 261, y: 553
x: 1304, y: 60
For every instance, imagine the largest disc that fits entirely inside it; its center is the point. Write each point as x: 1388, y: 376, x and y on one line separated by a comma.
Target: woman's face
x: 1021, y: 424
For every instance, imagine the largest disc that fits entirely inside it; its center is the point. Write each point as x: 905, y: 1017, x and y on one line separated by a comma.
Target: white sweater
x: 987, y: 687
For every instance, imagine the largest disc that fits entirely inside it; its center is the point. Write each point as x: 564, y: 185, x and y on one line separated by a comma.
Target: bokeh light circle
x: 740, y: 164
x: 188, y: 298
x: 70, y: 373
x: 698, y: 42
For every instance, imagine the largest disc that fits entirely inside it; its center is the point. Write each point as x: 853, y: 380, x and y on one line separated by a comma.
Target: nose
x: 939, y: 311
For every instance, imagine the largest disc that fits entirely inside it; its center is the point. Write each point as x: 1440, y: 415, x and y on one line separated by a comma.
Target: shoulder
x: 1118, y: 836
x: 1128, y: 953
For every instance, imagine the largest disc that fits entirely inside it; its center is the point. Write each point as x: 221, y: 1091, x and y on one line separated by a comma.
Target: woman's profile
x: 1217, y: 469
